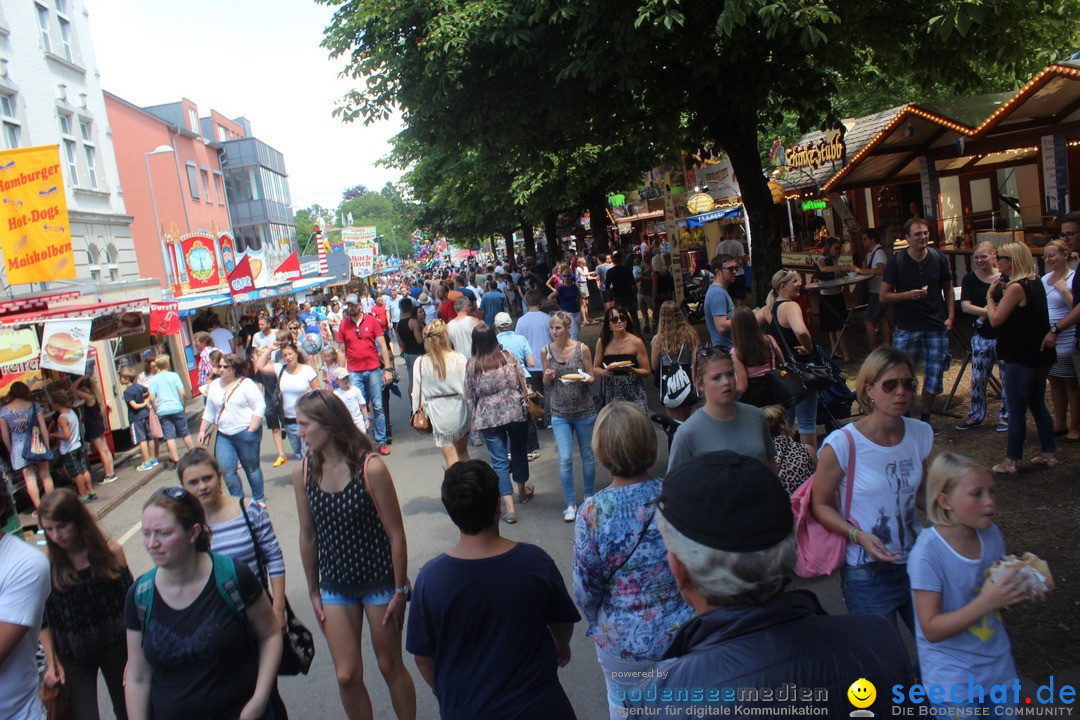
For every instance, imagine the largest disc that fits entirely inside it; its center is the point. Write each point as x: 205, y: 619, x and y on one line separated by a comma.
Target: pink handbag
x: 820, y: 550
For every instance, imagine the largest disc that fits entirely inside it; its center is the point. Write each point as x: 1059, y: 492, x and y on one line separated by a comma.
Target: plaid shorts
x: 930, y: 345
x: 74, y: 462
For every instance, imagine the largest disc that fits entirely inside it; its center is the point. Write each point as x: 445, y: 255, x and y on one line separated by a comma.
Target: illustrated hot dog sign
x: 35, y: 236
x: 64, y: 345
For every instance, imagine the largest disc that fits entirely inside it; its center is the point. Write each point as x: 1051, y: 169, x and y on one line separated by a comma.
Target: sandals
x: 1045, y: 461
x: 533, y: 455
x: 1005, y: 468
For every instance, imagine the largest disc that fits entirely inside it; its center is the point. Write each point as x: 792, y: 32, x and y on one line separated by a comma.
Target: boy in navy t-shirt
x: 491, y: 619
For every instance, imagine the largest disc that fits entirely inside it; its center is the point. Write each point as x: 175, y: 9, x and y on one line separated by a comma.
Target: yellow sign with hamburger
x: 35, y: 235
x: 64, y: 345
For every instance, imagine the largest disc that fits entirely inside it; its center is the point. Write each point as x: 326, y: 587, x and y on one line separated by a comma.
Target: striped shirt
x: 233, y: 539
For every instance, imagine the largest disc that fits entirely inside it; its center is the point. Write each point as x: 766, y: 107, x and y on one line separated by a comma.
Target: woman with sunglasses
x: 236, y: 406
x: 984, y: 355
x: 354, y: 550
x: 786, y: 316
x: 85, y: 630
x: 890, y: 455
x: 495, y: 395
x: 198, y: 646
x: 722, y: 423
x: 572, y: 408
x: 294, y: 378
x: 1022, y: 319
x: 621, y: 360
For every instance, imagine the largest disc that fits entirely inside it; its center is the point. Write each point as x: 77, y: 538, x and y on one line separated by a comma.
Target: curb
x: 140, y: 482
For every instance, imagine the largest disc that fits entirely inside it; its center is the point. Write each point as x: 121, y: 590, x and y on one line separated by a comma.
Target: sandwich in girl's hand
x: 1032, y: 570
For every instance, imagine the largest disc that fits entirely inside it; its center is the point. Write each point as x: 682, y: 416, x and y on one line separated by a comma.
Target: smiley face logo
x: 862, y: 694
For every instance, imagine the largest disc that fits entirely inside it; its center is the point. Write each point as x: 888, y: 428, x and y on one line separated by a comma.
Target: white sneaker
x: 570, y: 513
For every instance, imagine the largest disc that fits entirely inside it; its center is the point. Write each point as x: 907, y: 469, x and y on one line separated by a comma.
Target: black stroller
x: 834, y: 402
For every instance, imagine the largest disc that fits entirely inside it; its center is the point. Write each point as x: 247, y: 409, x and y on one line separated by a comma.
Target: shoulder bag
x: 419, y: 419
x: 820, y: 550
x: 814, y: 374
x: 533, y: 401
x: 36, y: 450
x: 785, y: 387
x: 298, y: 644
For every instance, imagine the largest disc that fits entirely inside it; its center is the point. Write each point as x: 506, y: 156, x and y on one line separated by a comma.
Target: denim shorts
x: 174, y: 425
x: 378, y: 596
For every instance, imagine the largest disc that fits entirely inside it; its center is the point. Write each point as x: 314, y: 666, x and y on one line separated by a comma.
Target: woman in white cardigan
x: 236, y: 405
x: 439, y: 388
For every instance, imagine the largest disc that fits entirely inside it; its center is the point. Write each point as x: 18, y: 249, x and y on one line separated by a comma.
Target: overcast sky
x: 256, y: 58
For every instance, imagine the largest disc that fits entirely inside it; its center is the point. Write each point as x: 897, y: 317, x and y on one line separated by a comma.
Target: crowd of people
x: 682, y: 576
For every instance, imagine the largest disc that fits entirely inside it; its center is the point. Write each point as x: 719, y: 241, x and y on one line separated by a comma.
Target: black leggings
x: 82, y: 683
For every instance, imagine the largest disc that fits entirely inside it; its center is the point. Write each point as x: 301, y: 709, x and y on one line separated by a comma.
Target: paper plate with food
x: 619, y: 364
x: 574, y: 377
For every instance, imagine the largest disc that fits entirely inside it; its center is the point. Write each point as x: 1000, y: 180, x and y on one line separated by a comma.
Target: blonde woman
x: 439, y: 388
x: 984, y: 355
x: 582, y: 276
x: 1064, y: 390
x: 1022, y: 318
x: 673, y: 349
x: 789, y: 327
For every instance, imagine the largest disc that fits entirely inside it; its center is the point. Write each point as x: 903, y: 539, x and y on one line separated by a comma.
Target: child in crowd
x: 71, y: 451
x: 353, y: 399
x: 137, y: 398
x: 960, y: 633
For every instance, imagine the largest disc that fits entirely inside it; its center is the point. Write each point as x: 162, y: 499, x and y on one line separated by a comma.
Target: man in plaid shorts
x: 919, y: 282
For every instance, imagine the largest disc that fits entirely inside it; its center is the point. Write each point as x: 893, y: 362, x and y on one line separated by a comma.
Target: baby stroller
x: 834, y: 402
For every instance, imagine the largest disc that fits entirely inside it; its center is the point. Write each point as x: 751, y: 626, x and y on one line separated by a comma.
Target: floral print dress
x: 20, y: 423
x: 622, y: 581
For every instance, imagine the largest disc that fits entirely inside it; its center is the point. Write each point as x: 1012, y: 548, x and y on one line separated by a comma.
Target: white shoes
x: 570, y: 513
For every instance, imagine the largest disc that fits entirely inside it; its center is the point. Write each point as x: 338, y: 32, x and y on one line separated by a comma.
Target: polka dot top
x: 354, y: 549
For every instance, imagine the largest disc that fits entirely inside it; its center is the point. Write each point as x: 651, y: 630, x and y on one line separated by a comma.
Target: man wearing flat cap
x: 729, y: 532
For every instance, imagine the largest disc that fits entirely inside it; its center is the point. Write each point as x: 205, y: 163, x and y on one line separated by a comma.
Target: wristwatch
x: 404, y: 590
x: 1055, y: 329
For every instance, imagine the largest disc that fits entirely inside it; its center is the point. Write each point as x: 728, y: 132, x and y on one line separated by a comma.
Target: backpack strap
x: 228, y: 587
x: 144, y: 596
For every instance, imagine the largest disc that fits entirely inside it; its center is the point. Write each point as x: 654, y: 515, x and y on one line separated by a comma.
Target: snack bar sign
x: 35, y: 236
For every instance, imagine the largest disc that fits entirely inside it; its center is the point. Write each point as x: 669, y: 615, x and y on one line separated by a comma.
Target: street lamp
x: 159, y: 150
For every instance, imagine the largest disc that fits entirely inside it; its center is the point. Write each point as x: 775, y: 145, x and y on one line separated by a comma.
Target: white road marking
x: 130, y: 533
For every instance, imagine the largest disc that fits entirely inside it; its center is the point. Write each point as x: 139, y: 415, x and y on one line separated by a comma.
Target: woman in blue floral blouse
x: 622, y: 581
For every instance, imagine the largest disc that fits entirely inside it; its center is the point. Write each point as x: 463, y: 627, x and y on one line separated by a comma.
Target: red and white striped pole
x: 324, y: 269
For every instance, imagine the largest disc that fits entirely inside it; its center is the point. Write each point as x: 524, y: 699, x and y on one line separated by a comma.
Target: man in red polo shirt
x: 368, y: 362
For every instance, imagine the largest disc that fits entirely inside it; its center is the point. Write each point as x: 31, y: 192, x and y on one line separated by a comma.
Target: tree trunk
x: 509, y: 237
x: 530, y: 239
x: 598, y: 223
x: 737, y: 135
x: 494, y: 249
x: 551, y: 229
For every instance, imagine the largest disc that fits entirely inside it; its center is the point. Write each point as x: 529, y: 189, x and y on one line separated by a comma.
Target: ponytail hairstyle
x: 187, y: 510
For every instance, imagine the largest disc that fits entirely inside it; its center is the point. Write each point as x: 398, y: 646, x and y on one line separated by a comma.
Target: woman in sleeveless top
x: 787, y: 321
x: 17, y: 422
x: 673, y: 350
x: 619, y: 344
x: 572, y: 408
x: 833, y: 310
x: 94, y: 424
x: 1024, y: 320
x: 410, y: 336
x: 440, y: 391
x: 84, y: 632
x: 353, y: 547
x: 754, y: 354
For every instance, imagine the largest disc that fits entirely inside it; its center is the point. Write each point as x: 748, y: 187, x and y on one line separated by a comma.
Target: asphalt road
x: 417, y: 467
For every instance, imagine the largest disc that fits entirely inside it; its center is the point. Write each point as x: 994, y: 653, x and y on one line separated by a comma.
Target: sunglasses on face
x: 730, y: 268
x: 891, y: 384
x: 1004, y: 257
x: 616, y: 319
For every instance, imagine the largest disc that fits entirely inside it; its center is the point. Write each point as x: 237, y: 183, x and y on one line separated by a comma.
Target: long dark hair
x: 748, y: 339
x: 327, y: 409
x: 487, y: 352
x: 606, y: 333
x: 63, y: 506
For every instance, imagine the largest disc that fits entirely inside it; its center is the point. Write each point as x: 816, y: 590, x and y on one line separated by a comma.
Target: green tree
x: 547, y: 74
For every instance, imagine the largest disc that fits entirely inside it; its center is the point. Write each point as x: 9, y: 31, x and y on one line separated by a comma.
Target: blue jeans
x: 805, y: 411
x: 371, y: 383
x: 243, y: 446
x: 292, y: 431
x: 509, y: 439
x: 410, y: 361
x: 1025, y: 389
x: 564, y: 430
x: 878, y: 588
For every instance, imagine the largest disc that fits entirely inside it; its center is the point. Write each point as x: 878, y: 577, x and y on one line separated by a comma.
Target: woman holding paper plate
x: 568, y: 372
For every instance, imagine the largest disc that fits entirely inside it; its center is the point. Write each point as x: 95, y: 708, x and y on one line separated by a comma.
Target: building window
x: 43, y: 27
x: 65, y: 124
x: 72, y: 162
x: 61, y: 6
x: 65, y: 40
x: 193, y: 119
x: 205, y: 184
x: 91, y: 165
x: 86, y: 131
x: 223, y: 134
x: 12, y: 127
x: 193, y: 181
x: 220, y: 187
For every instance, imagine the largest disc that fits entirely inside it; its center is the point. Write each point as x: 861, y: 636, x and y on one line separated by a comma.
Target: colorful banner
x: 290, y: 269
x: 19, y: 346
x: 228, y: 252
x: 201, y: 262
x: 240, y: 280
x: 64, y: 345
x: 360, y: 247
x: 165, y: 318
x: 36, y: 235
x: 114, y: 325
x: 28, y: 372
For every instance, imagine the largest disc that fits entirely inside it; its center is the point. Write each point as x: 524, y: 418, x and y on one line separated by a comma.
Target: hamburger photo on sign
x: 64, y: 345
